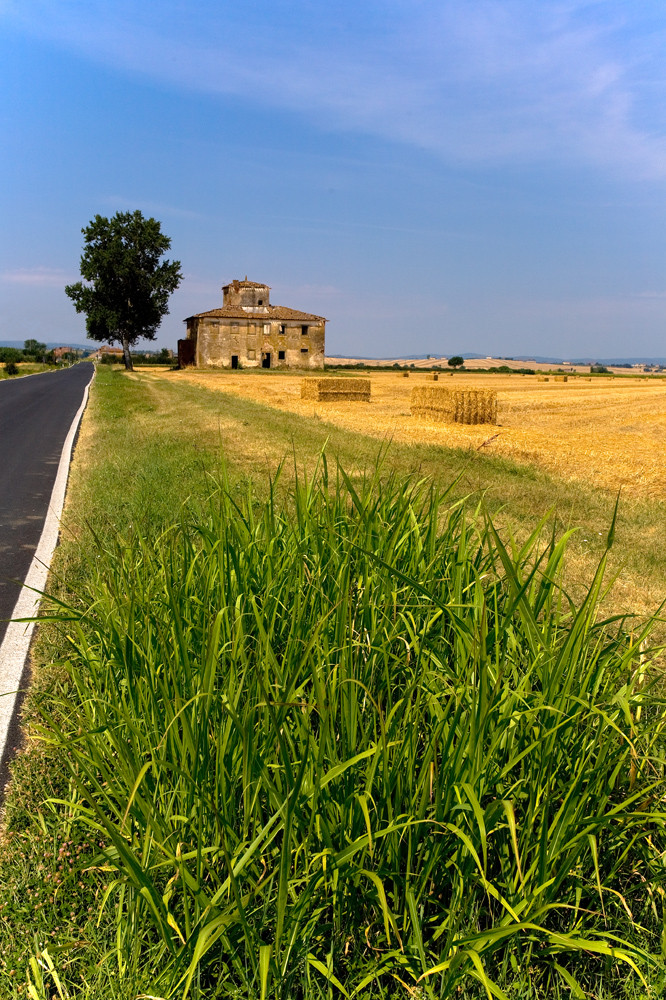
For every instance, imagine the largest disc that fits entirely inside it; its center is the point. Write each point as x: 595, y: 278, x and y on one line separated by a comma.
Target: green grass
x: 354, y: 739
x: 328, y: 728
x: 27, y: 368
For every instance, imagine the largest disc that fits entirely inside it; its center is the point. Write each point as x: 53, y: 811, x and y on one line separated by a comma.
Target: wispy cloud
x: 39, y: 277
x: 121, y: 203
x: 192, y: 284
x: 327, y: 291
x: 629, y: 308
x: 474, y: 81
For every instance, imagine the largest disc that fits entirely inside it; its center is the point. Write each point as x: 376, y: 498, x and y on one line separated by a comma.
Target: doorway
x: 266, y: 359
x: 234, y: 361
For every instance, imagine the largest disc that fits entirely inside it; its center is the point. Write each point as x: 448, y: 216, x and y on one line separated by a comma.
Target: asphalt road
x: 35, y: 415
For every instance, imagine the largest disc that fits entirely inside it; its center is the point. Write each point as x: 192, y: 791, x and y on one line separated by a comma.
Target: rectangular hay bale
x: 461, y: 406
x: 322, y: 390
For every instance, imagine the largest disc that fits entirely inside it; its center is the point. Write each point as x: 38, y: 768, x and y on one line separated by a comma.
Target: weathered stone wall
x: 251, y: 340
x: 239, y: 294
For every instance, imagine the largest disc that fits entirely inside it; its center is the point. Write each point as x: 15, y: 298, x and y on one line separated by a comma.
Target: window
x: 282, y: 330
x: 304, y: 350
x: 267, y: 329
x: 251, y: 355
x: 304, y: 330
x: 260, y: 302
x: 281, y: 355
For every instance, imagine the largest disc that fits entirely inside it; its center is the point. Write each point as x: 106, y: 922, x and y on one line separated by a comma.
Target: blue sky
x: 433, y: 177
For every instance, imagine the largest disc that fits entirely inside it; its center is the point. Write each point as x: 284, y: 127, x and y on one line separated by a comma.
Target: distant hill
x: 51, y: 345
x: 583, y: 361
x: 573, y: 361
x: 470, y: 356
x: 628, y: 361
x: 76, y: 347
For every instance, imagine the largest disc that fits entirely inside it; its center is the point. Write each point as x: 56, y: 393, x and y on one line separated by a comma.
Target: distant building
x: 248, y: 332
x: 68, y: 353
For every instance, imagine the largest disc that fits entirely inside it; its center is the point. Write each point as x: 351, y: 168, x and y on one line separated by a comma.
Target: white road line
x: 15, y: 645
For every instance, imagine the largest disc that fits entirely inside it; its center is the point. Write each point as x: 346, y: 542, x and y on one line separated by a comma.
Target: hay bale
x: 405, y: 374
x: 542, y: 378
x: 561, y: 378
x: 461, y: 406
x: 435, y: 377
x: 333, y: 390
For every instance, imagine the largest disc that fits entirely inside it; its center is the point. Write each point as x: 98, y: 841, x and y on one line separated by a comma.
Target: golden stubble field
x: 608, y: 432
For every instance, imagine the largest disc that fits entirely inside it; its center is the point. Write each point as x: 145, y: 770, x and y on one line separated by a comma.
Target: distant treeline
x: 500, y: 370
x: 361, y: 366
x: 165, y: 357
x: 35, y: 351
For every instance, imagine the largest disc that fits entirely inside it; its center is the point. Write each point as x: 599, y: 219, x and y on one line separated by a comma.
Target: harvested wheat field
x: 610, y: 432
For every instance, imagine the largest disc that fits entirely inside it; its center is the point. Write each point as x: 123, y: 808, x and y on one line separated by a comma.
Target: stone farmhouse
x: 248, y: 332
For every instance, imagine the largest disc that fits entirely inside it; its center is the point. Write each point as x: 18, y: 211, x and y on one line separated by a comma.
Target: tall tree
x: 35, y: 348
x: 128, y: 287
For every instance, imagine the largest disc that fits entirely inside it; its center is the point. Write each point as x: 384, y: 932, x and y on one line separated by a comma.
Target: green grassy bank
x: 328, y: 736
x: 27, y: 368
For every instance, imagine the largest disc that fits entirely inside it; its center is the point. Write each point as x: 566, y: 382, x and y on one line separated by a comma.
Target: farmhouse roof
x: 244, y: 283
x: 259, y: 313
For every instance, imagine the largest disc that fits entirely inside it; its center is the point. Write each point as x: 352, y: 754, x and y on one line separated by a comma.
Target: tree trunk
x: 127, y: 357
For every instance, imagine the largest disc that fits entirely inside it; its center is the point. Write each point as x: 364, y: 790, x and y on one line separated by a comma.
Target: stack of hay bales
x: 405, y: 374
x: 542, y: 378
x: 434, y: 377
x: 461, y: 406
x: 334, y: 390
x: 561, y: 378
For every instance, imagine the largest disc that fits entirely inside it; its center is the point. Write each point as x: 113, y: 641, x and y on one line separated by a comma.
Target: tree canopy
x: 456, y: 361
x: 128, y: 286
x: 35, y: 348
